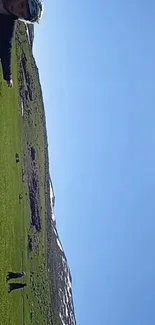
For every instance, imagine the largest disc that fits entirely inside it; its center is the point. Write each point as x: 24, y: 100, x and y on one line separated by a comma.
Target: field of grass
x: 18, y: 134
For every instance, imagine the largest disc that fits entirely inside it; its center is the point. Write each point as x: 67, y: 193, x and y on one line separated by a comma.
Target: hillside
x: 30, y: 240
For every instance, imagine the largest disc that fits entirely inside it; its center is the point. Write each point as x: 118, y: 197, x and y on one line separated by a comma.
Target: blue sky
x: 97, y: 67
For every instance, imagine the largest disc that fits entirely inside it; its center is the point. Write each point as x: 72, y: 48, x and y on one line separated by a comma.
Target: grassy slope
x: 30, y: 306
x: 11, y: 211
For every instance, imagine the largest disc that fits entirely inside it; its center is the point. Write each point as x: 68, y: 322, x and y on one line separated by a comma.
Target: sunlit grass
x: 28, y: 306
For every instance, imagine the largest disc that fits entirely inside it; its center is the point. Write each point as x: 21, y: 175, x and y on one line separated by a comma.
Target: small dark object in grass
x: 20, y: 197
x: 15, y: 275
x: 16, y: 286
x: 17, y: 158
x: 30, y: 247
x: 23, y: 175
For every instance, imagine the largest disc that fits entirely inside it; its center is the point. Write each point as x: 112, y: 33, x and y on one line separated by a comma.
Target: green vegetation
x: 23, y: 240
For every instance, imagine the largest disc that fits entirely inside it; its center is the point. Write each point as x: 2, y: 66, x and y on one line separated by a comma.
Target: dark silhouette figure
x: 17, y: 158
x: 15, y: 275
x: 16, y: 286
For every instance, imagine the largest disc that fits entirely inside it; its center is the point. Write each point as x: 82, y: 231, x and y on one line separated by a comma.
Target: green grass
x: 16, y: 134
x: 11, y: 213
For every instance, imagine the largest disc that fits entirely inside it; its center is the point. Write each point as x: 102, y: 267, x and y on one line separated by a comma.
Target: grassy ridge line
x: 34, y: 134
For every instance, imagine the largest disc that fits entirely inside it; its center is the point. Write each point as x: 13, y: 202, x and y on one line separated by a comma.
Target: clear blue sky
x: 97, y: 69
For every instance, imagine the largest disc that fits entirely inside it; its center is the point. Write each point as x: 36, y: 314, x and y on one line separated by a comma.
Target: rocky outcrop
x: 30, y: 32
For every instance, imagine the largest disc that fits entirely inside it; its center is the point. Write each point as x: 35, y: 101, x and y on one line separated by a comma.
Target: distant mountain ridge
x: 64, y: 279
